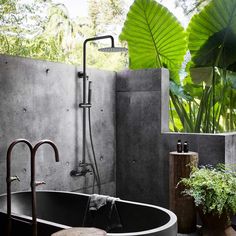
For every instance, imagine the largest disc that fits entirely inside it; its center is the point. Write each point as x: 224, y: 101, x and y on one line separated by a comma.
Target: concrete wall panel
x: 143, y: 140
x: 40, y: 100
x: 139, y: 165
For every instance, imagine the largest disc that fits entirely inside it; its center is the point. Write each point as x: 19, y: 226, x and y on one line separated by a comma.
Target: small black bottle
x: 186, y: 149
x: 179, y: 146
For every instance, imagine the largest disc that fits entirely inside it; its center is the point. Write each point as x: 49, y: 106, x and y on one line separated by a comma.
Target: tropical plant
x: 212, y: 44
x: 155, y: 37
x: 213, y: 189
x: 205, y: 100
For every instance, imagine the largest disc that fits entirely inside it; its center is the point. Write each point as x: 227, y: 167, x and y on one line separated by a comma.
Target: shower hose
x: 96, y: 171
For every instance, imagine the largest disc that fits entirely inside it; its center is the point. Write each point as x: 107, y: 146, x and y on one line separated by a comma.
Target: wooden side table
x: 80, y: 231
x: 182, y: 206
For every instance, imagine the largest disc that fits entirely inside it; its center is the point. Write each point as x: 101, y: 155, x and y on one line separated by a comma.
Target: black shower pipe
x: 84, y: 105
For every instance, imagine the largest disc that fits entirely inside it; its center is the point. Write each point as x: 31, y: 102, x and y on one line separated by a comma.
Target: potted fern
x: 214, y: 192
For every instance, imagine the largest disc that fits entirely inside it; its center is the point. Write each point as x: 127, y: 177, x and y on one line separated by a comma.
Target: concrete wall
x: 143, y: 143
x: 38, y: 100
x: 141, y: 169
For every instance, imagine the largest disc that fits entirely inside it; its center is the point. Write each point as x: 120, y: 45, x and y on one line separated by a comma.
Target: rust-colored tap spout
x: 33, y: 183
x: 9, y: 178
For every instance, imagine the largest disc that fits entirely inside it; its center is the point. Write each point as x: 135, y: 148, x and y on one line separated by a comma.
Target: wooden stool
x: 182, y: 206
x: 80, y: 232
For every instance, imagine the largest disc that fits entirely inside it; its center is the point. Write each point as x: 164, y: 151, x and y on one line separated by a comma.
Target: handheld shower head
x: 113, y: 49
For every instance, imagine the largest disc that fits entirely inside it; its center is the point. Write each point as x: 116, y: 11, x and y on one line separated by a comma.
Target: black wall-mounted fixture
x: 86, y: 102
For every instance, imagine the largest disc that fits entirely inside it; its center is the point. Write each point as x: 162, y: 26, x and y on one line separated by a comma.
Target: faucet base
x: 82, y: 170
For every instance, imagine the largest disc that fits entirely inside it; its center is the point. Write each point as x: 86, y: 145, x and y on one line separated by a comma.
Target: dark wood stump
x: 80, y: 232
x: 182, y: 206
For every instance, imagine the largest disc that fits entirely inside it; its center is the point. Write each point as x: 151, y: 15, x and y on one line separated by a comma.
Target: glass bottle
x: 179, y: 146
x: 186, y: 149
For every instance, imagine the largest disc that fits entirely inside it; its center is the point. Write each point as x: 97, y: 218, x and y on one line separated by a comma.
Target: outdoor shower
x: 82, y: 169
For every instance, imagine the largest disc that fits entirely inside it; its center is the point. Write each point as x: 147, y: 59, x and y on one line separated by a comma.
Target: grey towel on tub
x: 103, y: 213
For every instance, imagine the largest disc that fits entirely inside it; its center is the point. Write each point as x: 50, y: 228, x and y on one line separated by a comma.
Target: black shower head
x: 113, y: 49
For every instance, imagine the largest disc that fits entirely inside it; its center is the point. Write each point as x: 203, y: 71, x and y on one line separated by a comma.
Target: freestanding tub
x: 61, y: 210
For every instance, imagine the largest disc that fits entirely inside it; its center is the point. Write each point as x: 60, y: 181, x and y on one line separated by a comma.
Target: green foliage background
x: 205, y: 100
x: 42, y: 29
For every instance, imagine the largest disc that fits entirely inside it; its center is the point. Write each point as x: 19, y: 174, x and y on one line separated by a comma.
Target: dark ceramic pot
x: 215, y: 225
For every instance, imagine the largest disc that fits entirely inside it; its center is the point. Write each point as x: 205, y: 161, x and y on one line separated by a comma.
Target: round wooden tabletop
x: 79, y: 231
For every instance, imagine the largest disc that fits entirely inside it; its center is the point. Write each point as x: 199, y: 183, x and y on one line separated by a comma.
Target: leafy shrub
x: 213, y: 189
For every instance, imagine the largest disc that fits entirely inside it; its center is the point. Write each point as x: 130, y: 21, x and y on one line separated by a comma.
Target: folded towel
x: 97, y: 201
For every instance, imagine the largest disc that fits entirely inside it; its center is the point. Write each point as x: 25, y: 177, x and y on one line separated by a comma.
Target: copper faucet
x: 36, y: 183
x: 33, y: 183
x: 10, y: 178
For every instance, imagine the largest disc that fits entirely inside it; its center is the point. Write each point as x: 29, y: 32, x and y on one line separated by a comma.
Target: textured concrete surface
x: 39, y: 100
x: 141, y: 171
x: 210, y: 147
x: 144, y: 143
x: 230, y: 148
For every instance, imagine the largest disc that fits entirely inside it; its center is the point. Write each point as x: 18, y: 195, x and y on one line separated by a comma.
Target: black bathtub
x: 61, y: 210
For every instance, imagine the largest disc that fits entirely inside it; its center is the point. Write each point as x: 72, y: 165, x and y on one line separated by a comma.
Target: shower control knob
x: 81, y: 74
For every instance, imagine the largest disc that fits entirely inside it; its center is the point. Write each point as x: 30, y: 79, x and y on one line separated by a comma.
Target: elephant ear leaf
x: 155, y: 37
x: 212, y: 35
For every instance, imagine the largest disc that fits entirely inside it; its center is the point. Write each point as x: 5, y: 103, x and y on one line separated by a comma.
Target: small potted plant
x: 214, y: 192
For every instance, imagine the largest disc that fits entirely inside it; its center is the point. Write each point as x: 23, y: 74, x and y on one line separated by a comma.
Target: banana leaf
x: 155, y: 37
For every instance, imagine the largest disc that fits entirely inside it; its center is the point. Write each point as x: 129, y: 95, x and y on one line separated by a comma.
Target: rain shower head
x: 113, y: 49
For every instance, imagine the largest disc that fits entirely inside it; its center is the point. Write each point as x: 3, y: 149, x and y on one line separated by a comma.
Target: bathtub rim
x: 171, y: 223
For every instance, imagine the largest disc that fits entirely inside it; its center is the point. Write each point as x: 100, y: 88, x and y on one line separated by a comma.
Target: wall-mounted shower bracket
x: 81, y: 74
x: 85, y: 105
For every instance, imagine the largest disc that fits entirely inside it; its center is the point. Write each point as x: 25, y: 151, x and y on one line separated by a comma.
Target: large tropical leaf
x: 212, y: 35
x: 155, y: 37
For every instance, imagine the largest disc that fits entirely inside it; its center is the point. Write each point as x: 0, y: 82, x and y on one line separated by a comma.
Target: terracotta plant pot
x: 215, y: 225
